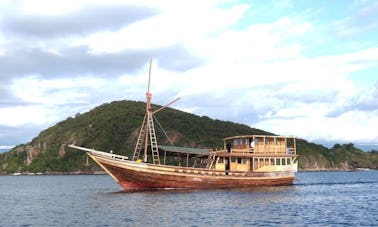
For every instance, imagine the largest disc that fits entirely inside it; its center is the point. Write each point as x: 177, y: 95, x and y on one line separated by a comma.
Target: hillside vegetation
x: 115, y: 126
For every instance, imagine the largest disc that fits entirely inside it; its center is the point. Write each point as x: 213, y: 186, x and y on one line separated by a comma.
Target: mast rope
x: 166, y: 135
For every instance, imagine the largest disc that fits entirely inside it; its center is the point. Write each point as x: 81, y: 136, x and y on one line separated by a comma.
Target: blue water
x: 316, y: 199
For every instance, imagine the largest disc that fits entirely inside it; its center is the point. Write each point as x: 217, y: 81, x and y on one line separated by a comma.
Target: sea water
x: 315, y: 199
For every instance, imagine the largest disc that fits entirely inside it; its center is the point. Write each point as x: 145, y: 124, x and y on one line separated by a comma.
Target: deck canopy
x: 185, y: 150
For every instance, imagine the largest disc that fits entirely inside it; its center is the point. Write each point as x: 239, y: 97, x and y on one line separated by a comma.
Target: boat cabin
x: 256, y: 153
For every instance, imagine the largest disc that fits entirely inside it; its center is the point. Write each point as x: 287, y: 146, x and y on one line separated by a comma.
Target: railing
x: 100, y: 153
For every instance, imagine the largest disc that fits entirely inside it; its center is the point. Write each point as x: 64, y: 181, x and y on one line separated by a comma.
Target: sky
x: 301, y: 68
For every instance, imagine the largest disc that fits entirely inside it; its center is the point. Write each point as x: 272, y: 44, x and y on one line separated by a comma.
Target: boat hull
x: 137, y: 176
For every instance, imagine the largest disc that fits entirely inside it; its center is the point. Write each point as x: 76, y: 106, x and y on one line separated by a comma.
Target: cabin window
x: 288, y: 161
x: 284, y: 161
x: 261, y: 162
x: 256, y: 141
x: 244, y: 161
x: 278, y: 161
x: 220, y: 160
x: 272, y: 161
x: 233, y: 159
x: 244, y: 141
x: 239, y: 160
x: 236, y: 142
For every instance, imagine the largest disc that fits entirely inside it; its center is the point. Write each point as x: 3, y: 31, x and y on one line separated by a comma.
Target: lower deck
x: 254, y: 164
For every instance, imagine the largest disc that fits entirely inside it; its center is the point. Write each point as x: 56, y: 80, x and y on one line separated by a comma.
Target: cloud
x: 8, y: 98
x: 11, y: 136
x: 365, y: 20
x: 178, y: 59
x: 363, y: 100
x: 76, y: 61
x: 91, y: 18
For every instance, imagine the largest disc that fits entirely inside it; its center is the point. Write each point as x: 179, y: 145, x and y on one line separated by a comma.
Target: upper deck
x: 261, y: 145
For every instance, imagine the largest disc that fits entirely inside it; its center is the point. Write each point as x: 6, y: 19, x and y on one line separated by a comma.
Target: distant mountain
x: 115, y: 126
x: 368, y: 147
x: 364, y: 147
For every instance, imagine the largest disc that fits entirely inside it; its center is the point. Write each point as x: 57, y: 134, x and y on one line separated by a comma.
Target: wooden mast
x: 147, y: 134
x: 148, y: 114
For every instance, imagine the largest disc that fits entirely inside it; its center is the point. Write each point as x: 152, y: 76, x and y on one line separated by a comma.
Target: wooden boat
x: 244, y: 161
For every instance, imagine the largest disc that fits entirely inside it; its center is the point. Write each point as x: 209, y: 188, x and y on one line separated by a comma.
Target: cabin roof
x: 185, y: 150
x: 255, y: 136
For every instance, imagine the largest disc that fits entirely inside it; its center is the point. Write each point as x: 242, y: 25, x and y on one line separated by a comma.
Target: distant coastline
x: 3, y: 150
x: 336, y: 170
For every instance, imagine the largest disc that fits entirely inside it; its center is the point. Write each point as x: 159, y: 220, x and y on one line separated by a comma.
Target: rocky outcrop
x: 31, y: 153
x: 62, y: 151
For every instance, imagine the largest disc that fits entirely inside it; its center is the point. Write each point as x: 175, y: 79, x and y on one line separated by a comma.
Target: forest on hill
x: 114, y: 127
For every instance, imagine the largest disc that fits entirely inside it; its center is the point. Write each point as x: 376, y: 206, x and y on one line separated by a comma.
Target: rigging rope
x: 161, y: 127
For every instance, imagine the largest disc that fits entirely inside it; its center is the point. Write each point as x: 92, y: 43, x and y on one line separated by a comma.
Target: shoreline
x: 56, y: 173
x: 104, y: 173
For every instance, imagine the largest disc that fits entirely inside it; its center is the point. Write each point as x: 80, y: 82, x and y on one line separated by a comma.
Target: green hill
x: 115, y: 126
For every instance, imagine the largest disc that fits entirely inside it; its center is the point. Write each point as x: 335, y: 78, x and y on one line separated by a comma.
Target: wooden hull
x: 133, y: 176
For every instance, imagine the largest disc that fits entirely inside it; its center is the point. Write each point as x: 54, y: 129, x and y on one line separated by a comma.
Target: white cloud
x: 21, y: 115
x: 178, y: 22
x: 39, y: 91
x: 49, y: 7
x: 6, y: 147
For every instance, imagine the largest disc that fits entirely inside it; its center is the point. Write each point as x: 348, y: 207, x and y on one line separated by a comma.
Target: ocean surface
x: 315, y: 199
